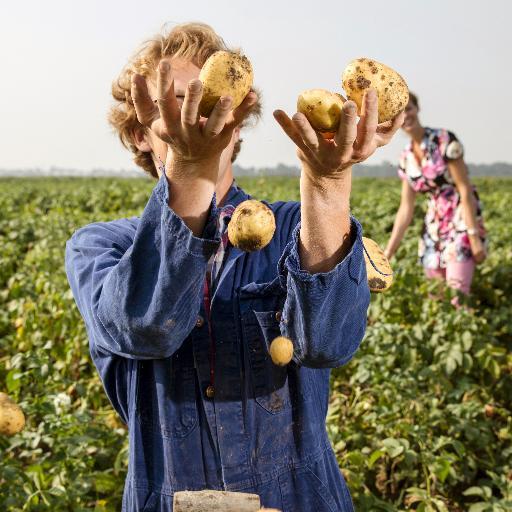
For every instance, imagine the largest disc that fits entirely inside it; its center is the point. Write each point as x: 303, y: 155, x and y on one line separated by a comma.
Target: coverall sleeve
x: 325, y: 313
x: 139, y: 286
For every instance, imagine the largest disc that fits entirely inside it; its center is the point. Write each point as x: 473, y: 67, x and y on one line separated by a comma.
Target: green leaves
x: 395, y: 447
x: 420, y: 419
x: 435, y: 380
x: 44, y: 357
x: 374, y: 457
x: 485, y: 492
x: 12, y: 380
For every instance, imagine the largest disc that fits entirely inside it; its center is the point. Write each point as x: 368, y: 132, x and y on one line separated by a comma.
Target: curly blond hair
x: 194, y: 42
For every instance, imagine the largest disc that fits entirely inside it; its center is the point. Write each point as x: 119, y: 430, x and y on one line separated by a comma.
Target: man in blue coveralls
x: 180, y: 322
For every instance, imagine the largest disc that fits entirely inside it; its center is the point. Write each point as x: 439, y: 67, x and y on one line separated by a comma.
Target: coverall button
x: 199, y: 321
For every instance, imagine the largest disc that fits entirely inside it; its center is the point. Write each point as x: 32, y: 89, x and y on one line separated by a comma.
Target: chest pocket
x: 166, y: 394
x: 269, y: 381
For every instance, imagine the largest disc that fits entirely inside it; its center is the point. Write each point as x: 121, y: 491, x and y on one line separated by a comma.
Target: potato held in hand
x: 322, y: 109
x: 378, y: 270
x: 224, y: 74
x: 12, y: 419
x: 252, y: 226
x: 392, y: 91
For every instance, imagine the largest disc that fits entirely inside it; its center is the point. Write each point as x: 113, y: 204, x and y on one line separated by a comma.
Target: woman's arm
x: 402, y: 220
x: 459, y: 174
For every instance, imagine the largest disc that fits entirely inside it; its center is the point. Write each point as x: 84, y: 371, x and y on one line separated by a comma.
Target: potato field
x: 420, y: 419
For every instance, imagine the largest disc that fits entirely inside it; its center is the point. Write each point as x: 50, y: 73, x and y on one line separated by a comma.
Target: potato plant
x: 420, y: 419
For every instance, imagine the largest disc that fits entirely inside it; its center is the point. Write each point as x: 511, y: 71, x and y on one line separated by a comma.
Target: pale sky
x: 58, y: 59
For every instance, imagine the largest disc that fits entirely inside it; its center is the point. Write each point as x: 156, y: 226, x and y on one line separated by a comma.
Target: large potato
x: 224, y: 74
x: 252, y: 226
x: 12, y: 419
x: 378, y: 269
x: 392, y: 91
x: 322, y: 108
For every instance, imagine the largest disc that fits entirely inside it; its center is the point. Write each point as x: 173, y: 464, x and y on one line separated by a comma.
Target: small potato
x: 224, y: 74
x: 322, y: 108
x: 12, y: 419
x: 392, y: 91
x: 252, y: 226
x: 380, y: 278
x: 281, y: 351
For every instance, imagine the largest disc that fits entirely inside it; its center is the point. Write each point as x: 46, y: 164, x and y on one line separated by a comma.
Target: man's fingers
x: 147, y: 112
x: 386, y: 131
x: 310, y: 137
x: 347, y: 131
x: 166, y: 99
x: 289, y: 128
x: 218, y: 117
x: 243, y: 110
x: 367, y: 126
x: 190, y: 109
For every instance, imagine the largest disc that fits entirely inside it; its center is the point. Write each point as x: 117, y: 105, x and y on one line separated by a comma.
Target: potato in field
x: 489, y: 410
x: 392, y: 91
x: 378, y: 269
x: 322, y: 109
x: 12, y: 419
x: 224, y: 74
x: 281, y: 351
x: 252, y: 226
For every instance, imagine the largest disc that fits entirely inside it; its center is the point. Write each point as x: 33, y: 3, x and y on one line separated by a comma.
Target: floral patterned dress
x: 444, y: 237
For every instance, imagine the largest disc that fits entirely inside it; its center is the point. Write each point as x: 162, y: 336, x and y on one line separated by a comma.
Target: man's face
x: 183, y: 71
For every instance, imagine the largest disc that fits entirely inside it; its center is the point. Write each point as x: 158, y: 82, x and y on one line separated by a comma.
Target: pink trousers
x: 457, y: 274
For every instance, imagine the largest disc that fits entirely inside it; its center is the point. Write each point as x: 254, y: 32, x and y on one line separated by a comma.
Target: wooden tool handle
x: 215, y: 501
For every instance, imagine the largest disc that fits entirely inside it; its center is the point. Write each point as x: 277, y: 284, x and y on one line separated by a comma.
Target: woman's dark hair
x: 414, y: 99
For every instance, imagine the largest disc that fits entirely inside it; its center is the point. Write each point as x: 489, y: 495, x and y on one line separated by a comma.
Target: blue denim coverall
x: 138, y: 284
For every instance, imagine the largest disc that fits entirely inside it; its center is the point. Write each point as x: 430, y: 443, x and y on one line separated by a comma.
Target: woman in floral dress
x: 454, y: 238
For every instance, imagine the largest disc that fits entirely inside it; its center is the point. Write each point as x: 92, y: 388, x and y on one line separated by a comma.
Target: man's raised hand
x: 354, y: 141
x: 191, y: 138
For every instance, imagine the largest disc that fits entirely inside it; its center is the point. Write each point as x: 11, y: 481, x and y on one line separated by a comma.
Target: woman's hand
x: 477, y: 249
x: 354, y: 141
x: 459, y: 174
x: 192, y: 139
